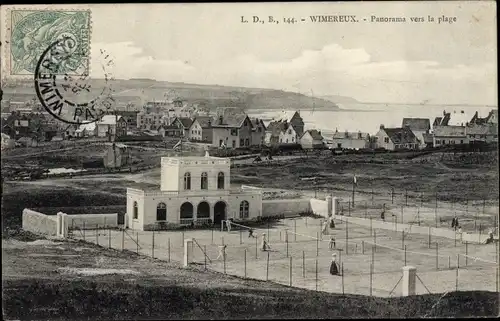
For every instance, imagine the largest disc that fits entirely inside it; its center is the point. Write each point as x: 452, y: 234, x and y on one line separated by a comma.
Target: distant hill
x: 339, y: 99
x: 138, y: 91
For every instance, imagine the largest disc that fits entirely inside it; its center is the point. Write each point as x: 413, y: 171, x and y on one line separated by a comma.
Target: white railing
x: 186, y: 221
x: 203, y: 220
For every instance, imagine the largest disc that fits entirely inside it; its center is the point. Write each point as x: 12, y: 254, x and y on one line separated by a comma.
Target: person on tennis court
x: 332, y: 243
x: 250, y: 233
x: 222, y: 252
x: 332, y: 223
x: 264, y: 245
x: 324, y: 230
x: 382, y: 215
x: 334, y: 269
x: 454, y: 223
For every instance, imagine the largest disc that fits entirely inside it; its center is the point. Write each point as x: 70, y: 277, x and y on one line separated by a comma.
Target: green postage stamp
x: 31, y: 32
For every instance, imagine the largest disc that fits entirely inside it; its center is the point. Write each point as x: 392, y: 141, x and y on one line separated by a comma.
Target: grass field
x: 54, y: 280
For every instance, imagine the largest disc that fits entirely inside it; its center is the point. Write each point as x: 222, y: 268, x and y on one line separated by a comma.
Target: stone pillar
x: 335, y: 206
x: 329, y: 205
x: 125, y: 221
x: 409, y: 280
x: 188, y: 252
x: 65, y: 225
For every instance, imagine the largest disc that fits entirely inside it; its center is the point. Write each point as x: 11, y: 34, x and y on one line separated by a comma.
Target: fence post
x: 375, y: 239
x: 392, y: 195
x: 109, y: 238
x: 245, y: 259
x: 241, y: 241
x: 123, y: 239
x: 256, y: 248
x: 290, y: 271
x: 286, y: 239
x: 169, y: 249
x: 371, y: 279
x: 402, y: 214
x: 349, y: 212
x: 466, y: 252
x: 182, y: 234
x: 456, y: 276
x: 402, y: 239
x: 316, y: 273
x: 405, y: 255
x: 303, y: 264
x: 362, y: 247
x: 317, y: 244
x: 342, y: 271
x: 137, y: 241
x: 267, y: 267
x: 373, y: 258
x: 84, y: 231
x: 371, y: 229
x: 449, y: 262
x: 346, y: 236
x: 224, y: 256
x: 435, y: 210
x: 366, y: 209
x: 406, y: 197
x: 212, y: 235
x: 153, y: 245
x: 205, y: 256
x: 306, y: 221
x: 97, y: 234
x: 295, y: 230
x: 437, y: 257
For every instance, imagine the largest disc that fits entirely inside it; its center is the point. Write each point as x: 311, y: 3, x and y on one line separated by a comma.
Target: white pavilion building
x: 193, y: 189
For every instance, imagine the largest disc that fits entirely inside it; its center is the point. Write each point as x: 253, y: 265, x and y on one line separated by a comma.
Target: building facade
x: 201, y: 129
x: 350, y: 140
x: 449, y: 135
x: 419, y: 127
x: 312, y: 139
x: 396, y: 138
x: 233, y: 131
x: 193, y: 190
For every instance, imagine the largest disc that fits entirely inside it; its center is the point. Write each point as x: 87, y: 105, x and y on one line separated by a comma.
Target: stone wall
x: 287, y: 207
x: 92, y: 220
x: 39, y: 223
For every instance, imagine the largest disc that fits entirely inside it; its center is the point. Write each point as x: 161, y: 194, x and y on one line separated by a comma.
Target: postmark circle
x: 69, y: 98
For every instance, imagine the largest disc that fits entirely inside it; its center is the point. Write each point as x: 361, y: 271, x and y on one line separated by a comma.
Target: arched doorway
x: 186, y: 213
x: 161, y: 212
x: 219, y: 212
x: 203, y: 211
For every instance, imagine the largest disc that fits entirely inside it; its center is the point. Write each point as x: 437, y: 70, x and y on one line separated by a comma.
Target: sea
x: 367, y: 117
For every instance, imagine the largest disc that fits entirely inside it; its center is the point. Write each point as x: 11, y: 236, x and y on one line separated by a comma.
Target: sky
x: 373, y: 62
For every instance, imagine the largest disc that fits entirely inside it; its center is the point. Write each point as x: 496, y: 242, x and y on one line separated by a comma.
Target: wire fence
x: 300, y: 251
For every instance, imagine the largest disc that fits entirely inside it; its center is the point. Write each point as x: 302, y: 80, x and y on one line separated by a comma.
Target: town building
x: 184, y: 124
x: 169, y: 131
x: 396, y: 138
x: 86, y: 130
x: 258, y: 131
x: 130, y: 117
x: 486, y: 132
x: 116, y: 156
x: 111, y: 126
x: 233, y: 131
x: 350, y: 140
x: 449, y: 135
x: 149, y: 120
x: 419, y: 127
x: 312, y: 139
x: 289, y: 135
x: 492, y: 118
x: 298, y: 124
x: 273, y: 132
x: 201, y: 129
x: 193, y: 190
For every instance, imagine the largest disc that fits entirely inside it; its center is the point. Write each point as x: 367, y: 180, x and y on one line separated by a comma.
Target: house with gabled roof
x: 396, y: 138
x: 232, y: 131
x: 312, y: 139
x: 111, y: 126
x: 450, y: 135
x: 485, y: 132
x: 419, y: 127
x: 350, y: 140
x: 183, y: 123
x: 298, y: 124
x: 201, y: 129
x: 258, y: 131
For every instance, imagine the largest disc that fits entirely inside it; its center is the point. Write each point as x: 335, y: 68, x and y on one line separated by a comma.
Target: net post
x: 267, y: 267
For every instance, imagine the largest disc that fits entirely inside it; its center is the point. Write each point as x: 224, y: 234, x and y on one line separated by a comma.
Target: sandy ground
x: 244, y: 258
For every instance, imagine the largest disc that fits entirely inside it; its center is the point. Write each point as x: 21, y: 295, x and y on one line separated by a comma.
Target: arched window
x: 204, y: 180
x: 244, y: 209
x: 161, y: 212
x: 187, y: 181
x: 136, y: 211
x: 220, y: 180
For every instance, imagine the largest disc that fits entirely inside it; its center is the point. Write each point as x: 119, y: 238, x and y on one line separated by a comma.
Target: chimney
x: 382, y: 126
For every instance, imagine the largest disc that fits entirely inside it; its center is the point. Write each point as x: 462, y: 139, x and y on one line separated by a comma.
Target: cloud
x: 329, y: 70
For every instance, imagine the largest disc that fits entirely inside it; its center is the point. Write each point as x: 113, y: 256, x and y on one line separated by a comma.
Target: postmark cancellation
x: 29, y: 32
